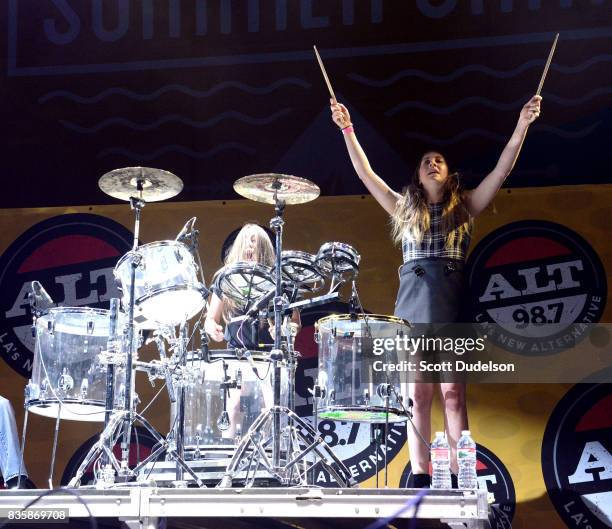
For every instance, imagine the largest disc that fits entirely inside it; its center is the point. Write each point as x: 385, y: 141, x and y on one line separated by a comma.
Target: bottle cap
x: 465, y: 432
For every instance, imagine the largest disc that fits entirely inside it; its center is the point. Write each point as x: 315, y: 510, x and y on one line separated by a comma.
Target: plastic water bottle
x: 466, y: 460
x: 440, y: 462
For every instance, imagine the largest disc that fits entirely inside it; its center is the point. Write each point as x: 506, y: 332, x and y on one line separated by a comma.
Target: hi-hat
x: 151, y: 185
x: 272, y: 187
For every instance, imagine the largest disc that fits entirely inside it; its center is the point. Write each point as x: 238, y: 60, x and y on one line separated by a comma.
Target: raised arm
x: 383, y: 194
x: 478, y: 199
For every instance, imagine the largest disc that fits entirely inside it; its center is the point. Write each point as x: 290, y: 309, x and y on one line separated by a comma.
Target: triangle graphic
x: 319, y: 154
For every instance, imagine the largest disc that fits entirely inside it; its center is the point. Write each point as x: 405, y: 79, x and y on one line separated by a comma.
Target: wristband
x: 348, y: 130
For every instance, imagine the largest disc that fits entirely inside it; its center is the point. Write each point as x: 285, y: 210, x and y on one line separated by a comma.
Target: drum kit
x: 232, y: 417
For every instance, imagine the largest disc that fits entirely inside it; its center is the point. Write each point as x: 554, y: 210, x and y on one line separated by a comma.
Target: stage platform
x: 151, y: 507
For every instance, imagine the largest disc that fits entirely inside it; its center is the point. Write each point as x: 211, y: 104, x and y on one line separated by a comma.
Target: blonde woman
x: 432, y: 220
x: 254, y: 245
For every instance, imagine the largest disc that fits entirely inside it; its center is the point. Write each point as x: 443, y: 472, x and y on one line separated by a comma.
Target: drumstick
x: 329, y: 86
x: 550, y: 56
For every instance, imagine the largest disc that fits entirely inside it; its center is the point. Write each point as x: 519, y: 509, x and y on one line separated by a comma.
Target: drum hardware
x: 317, y: 393
x: 137, y: 185
x: 338, y: 260
x: 223, y: 421
x: 246, y: 353
x: 113, y: 349
x: 191, y: 236
x: 251, y: 452
x: 384, y: 391
x: 167, y: 374
x: 40, y: 301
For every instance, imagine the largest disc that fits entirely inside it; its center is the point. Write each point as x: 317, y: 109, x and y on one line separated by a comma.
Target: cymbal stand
x: 177, y: 435
x: 121, y: 421
x: 252, y: 449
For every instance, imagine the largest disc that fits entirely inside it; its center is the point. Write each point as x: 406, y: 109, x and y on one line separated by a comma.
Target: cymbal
x: 156, y: 184
x: 267, y: 187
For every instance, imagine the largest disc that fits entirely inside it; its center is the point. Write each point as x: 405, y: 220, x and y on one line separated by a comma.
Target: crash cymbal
x: 268, y: 187
x: 154, y: 184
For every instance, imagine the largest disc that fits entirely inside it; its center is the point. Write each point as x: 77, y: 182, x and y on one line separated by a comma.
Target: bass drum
x: 206, y: 428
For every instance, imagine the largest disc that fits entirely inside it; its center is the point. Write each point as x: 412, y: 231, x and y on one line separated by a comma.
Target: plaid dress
x: 434, y: 241
x: 432, y: 287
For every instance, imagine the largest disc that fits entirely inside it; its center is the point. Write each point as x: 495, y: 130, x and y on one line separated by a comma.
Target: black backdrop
x: 216, y: 89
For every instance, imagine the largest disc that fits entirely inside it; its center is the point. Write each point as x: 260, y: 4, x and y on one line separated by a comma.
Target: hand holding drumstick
x: 340, y: 114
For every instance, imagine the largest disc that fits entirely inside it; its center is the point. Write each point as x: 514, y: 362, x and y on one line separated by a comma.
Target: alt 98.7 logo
x: 577, y: 457
x: 73, y: 257
x: 538, y: 283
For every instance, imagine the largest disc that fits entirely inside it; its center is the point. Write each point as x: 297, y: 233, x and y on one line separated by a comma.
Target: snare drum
x: 353, y: 390
x: 337, y: 258
x: 204, y: 402
x: 167, y: 287
x: 67, y: 375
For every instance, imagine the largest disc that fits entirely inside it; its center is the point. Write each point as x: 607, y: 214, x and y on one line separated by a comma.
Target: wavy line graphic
x: 173, y: 118
x: 477, y: 68
x: 496, y: 105
x: 568, y: 134
x: 232, y: 145
x: 467, y: 133
x: 253, y: 90
x: 578, y: 100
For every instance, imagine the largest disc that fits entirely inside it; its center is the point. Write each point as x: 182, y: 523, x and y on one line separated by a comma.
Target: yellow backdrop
x: 508, y: 419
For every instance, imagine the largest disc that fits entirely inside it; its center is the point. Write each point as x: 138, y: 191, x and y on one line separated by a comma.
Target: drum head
x: 365, y: 414
x: 301, y: 271
x: 245, y: 282
x: 337, y: 258
x: 343, y: 323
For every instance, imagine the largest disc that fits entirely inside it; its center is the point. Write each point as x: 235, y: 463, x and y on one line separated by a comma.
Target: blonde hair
x: 263, y: 254
x: 412, y: 212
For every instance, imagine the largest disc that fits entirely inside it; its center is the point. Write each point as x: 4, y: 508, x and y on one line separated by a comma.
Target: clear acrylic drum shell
x: 66, y: 370
x: 203, y: 404
x: 346, y: 373
x: 167, y: 287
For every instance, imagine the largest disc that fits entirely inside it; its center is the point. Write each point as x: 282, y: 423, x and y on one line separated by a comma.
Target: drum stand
x: 251, y: 452
x: 39, y: 301
x: 120, y: 422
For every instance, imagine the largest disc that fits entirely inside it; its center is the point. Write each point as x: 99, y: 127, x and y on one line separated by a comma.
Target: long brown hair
x: 263, y: 254
x: 412, y: 213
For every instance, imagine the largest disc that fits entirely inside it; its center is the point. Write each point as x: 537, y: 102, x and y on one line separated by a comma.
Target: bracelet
x: 348, y: 129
